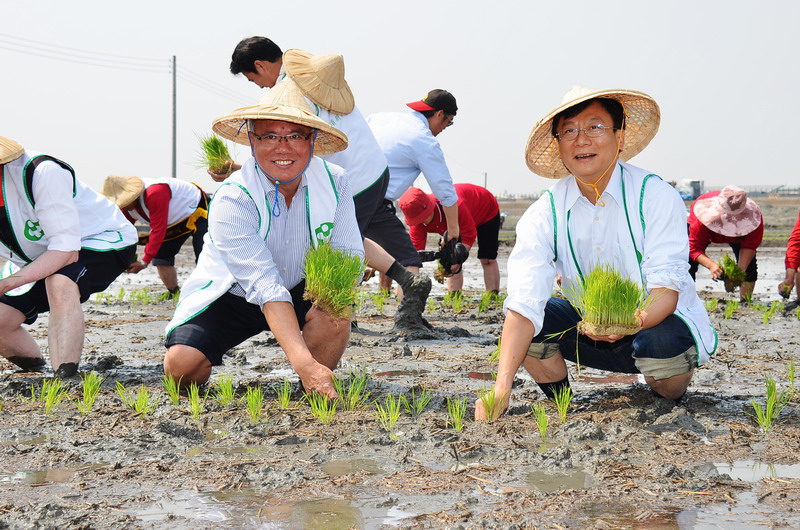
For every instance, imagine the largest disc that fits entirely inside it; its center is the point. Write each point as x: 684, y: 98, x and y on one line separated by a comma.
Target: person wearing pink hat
x: 478, y: 218
x: 726, y: 216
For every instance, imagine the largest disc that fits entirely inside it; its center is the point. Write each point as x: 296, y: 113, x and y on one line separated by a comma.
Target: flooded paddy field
x: 621, y: 459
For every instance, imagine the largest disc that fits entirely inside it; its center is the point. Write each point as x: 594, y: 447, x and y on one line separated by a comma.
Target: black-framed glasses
x: 275, y: 139
x: 592, y: 131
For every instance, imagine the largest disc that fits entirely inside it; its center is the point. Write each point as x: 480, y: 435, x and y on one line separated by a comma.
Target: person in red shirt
x: 792, y: 263
x: 478, y: 218
x: 173, y: 208
x: 726, y: 216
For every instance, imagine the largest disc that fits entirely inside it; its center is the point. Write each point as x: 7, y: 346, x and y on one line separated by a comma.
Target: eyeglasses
x: 450, y: 121
x: 593, y: 131
x: 275, y: 139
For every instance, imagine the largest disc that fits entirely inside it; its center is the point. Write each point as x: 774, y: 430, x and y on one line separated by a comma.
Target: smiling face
x: 281, y: 159
x: 590, y: 159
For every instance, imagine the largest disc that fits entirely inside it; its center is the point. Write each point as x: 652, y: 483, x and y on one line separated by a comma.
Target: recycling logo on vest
x: 33, y: 232
x: 323, y: 231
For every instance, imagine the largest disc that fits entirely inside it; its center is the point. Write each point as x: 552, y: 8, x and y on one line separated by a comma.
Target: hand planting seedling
x: 492, y: 403
x: 214, y: 154
x: 332, y: 276
x: 90, y: 389
x: 173, y: 388
x: 563, y: 397
x: 254, y: 397
x: 224, y: 394
x: 456, y: 411
x: 540, y: 413
x: 283, y: 393
x: 196, y: 404
x: 389, y: 412
x: 608, y: 303
x: 732, y: 275
x: 418, y: 402
x: 353, y: 395
x: 766, y: 415
x: 322, y: 407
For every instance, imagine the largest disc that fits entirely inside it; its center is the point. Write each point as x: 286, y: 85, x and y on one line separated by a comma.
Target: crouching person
x: 262, y: 221
x: 602, y: 211
x: 63, y: 242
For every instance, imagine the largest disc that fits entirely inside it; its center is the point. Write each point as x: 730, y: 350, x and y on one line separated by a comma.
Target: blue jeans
x: 671, y: 338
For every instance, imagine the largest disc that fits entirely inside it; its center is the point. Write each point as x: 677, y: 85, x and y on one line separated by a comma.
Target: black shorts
x: 93, y: 272
x: 370, y: 200
x: 388, y: 231
x: 489, y: 238
x: 169, y: 249
x: 229, y: 321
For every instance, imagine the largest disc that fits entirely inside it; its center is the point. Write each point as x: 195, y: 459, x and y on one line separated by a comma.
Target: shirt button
x: 597, y: 218
x: 599, y: 250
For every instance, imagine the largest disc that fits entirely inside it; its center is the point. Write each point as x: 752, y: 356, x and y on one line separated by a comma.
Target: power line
x: 60, y: 47
x: 212, y: 90
x: 114, y: 65
x: 211, y: 84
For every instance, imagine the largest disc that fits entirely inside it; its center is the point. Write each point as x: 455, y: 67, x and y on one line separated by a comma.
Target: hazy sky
x: 722, y: 72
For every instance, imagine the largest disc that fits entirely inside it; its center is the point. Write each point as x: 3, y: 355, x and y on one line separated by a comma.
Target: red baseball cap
x: 436, y: 99
x: 416, y: 206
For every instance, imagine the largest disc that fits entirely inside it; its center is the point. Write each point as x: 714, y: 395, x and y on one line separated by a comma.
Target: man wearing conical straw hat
x: 262, y: 221
x: 321, y: 79
x: 62, y: 242
x: 173, y: 208
x: 601, y: 212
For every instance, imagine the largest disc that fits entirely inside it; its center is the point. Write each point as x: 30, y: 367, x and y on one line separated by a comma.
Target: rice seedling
x: 454, y: 300
x: 563, y: 397
x: 416, y: 404
x: 142, y: 403
x: 732, y: 275
x: 456, y: 412
x: 379, y: 299
x: 389, y: 412
x: 332, y: 276
x: 254, y: 398
x: 100, y: 298
x: 1, y: 405
x: 540, y: 413
x: 790, y: 377
x: 224, y: 393
x: 283, y: 393
x: 120, y: 295
x: 196, y: 404
x: 90, y: 389
x: 770, y: 311
x: 214, y: 154
x: 711, y: 304
x: 173, y: 388
x: 765, y: 415
x: 431, y: 305
x: 322, y: 407
x: 495, y: 356
x: 492, y: 403
x: 607, y: 302
x: 353, y: 395
x: 730, y: 308
x: 53, y: 393
x: 164, y: 297
x: 489, y: 299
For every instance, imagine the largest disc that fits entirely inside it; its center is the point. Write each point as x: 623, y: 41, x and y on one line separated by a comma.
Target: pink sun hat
x: 731, y: 213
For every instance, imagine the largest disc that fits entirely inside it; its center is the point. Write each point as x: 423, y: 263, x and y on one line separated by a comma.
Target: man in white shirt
x: 263, y: 220
x: 602, y: 212
x: 321, y: 79
x: 63, y: 242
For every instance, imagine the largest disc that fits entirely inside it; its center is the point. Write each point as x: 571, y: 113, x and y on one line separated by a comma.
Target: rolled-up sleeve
x: 233, y: 225
x: 665, y: 256
x: 531, y: 270
x: 55, y: 207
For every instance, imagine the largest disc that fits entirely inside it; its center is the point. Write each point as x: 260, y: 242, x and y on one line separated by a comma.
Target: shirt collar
x: 613, y: 190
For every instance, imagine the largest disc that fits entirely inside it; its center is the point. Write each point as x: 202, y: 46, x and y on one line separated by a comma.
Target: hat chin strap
x: 598, y: 200
x: 276, y: 208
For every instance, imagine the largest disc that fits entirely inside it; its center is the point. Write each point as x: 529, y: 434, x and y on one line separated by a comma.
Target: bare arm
x: 283, y: 324
x: 711, y: 265
x: 42, y: 267
x: 451, y: 216
x: 746, y: 256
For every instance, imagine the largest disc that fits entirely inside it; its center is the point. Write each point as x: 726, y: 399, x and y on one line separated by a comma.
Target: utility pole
x: 174, y: 121
x: 485, y: 176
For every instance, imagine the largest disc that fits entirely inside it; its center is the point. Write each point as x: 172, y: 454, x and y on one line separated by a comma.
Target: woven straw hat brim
x: 643, y: 117
x: 9, y: 150
x: 232, y: 126
x: 122, y: 191
x: 321, y: 78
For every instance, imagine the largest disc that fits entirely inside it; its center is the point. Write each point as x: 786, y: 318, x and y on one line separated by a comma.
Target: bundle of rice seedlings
x: 732, y: 275
x: 332, y: 276
x: 214, y: 153
x: 607, y: 303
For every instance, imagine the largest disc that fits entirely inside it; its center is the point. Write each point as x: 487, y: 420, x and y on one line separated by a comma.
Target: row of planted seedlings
x: 142, y: 297
x: 731, y: 307
x: 455, y: 301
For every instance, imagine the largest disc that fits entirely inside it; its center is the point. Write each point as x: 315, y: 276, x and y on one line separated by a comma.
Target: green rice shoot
x: 456, y: 412
x: 332, y: 276
x: 90, y: 386
x: 283, y: 394
x: 173, y: 388
x: 196, y: 404
x: 711, y: 304
x: 730, y: 308
x: 379, y: 299
x: 767, y: 414
x: 607, y: 300
x: 495, y: 356
x: 224, y: 393
x: 254, y: 398
x: 492, y: 403
x: 389, y: 412
x: 214, y: 154
x: 353, y: 394
x: 323, y: 408
x: 539, y: 411
x: 732, y: 274
x: 563, y: 397
x: 418, y: 402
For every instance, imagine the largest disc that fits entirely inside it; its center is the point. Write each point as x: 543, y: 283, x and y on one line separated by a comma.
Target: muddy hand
x: 318, y: 378
x: 230, y: 166
x: 135, y: 267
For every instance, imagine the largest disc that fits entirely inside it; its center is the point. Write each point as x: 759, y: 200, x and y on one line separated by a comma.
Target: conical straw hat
x: 9, y: 150
x: 122, y: 191
x: 642, y: 118
x: 286, y: 103
x: 321, y: 78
